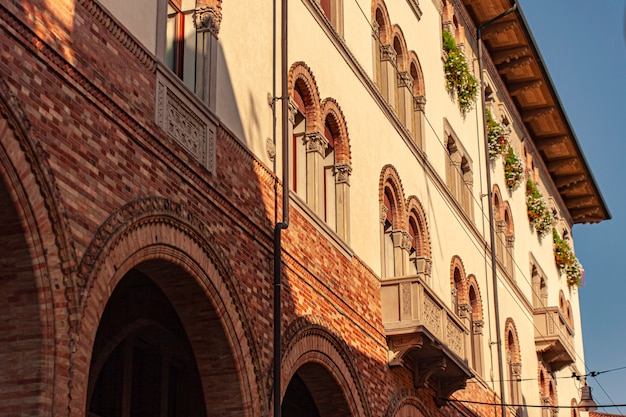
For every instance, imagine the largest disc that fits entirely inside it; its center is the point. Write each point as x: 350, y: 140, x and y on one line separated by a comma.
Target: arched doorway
x: 313, y: 392
x: 22, y: 344
x: 142, y: 362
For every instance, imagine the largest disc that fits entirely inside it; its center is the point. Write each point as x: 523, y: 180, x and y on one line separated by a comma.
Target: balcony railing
x: 554, y: 337
x: 423, y: 333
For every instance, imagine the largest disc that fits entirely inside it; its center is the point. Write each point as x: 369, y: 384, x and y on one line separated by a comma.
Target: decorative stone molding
x: 293, y: 110
x: 415, y: 7
x: 383, y: 213
x: 407, y: 241
x: 516, y: 370
x: 478, y: 327
x: 375, y: 29
x: 419, y: 103
x: 184, y: 121
x: 387, y: 53
x: 510, y: 241
x: 422, y: 373
x: 342, y: 173
x: 315, y: 142
x: 405, y: 79
x: 398, y: 346
x: 271, y: 149
x: 500, y: 226
x: 465, y: 311
x: 208, y: 18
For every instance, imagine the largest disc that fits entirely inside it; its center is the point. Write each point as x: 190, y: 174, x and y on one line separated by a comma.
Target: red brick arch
x: 407, y: 402
x: 477, y: 307
x: 311, y: 340
x: 379, y: 9
x: 512, y: 344
x: 331, y: 110
x: 399, y: 45
x: 154, y: 235
x: 419, y: 88
x: 389, y: 179
x: 416, y: 210
x: 456, y: 264
x: 301, y: 75
x: 37, y: 280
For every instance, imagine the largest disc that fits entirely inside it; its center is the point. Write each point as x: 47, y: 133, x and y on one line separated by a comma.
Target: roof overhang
x: 517, y: 59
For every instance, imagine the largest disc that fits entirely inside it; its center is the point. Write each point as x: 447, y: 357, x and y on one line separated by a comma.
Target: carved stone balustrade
x: 554, y: 337
x: 425, y: 335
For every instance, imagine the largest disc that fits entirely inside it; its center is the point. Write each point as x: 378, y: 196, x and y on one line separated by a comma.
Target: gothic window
x: 389, y: 251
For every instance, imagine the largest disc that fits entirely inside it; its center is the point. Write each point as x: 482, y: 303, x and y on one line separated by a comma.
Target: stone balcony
x: 554, y: 337
x: 425, y: 336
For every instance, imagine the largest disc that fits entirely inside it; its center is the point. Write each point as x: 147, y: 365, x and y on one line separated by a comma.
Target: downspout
x: 492, y: 233
x: 285, y: 173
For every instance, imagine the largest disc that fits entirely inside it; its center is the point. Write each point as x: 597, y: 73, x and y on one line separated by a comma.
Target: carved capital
x: 315, y: 142
x: 271, y: 149
x: 405, y: 80
x: 478, y: 327
x: 465, y: 311
x: 208, y: 19
x: 387, y: 53
x: 342, y: 173
x: 419, y: 103
x: 500, y: 226
x: 293, y: 110
x: 375, y: 29
x: 516, y: 370
x: 383, y: 213
x: 407, y: 241
x: 399, y: 345
x: 510, y: 241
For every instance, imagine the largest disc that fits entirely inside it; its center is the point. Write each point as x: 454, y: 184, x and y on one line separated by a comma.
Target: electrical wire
x: 531, y: 405
x: 481, y: 249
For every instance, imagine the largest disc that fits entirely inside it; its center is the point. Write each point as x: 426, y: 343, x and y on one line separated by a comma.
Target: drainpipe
x: 285, y: 223
x: 492, y: 237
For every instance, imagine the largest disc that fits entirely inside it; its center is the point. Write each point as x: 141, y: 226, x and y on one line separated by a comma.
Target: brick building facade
x: 141, y: 184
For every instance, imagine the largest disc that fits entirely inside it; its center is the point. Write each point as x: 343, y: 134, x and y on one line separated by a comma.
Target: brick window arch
x: 402, y: 101
x: 458, y: 286
x: 459, y: 177
x: 476, y: 323
x: 419, y: 100
x: 513, y: 362
x: 382, y: 51
x: 509, y: 239
x: 393, y: 229
x: 420, y: 248
x: 336, y: 170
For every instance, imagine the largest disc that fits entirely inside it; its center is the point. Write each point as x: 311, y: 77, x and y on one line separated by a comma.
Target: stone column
x: 316, y: 144
x: 342, y: 188
x: 207, y: 21
x: 404, y: 106
x: 419, y: 103
x: 388, y: 59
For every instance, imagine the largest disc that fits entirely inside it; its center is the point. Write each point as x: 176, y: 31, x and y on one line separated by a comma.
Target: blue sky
x: 583, y: 46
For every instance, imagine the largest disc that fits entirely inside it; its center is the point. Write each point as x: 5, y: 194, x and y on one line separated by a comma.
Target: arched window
x: 476, y: 326
x: 389, y: 245
x: 540, y: 288
x: 419, y: 248
x: 298, y: 147
x: 514, y: 364
x: 509, y: 236
x: 403, y: 100
x: 328, y: 175
x: 333, y: 10
x: 190, y: 49
x: 419, y: 103
x: 393, y: 217
x: 457, y: 288
x: 384, y: 54
x: 459, y: 172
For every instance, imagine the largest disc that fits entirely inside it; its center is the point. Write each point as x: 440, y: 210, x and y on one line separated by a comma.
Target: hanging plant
x: 566, y: 261
x: 496, y: 136
x: 538, y: 212
x: 513, y: 169
x: 458, y: 76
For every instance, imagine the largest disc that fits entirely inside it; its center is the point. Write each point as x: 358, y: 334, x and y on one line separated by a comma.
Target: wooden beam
x: 498, y: 27
x: 561, y: 163
x: 514, y: 64
x: 585, y: 213
x: 518, y: 88
x: 568, y: 180
x: 547, y: 141
x: 580, y: 202
x: 534, y: 114
x: 506, y: 55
